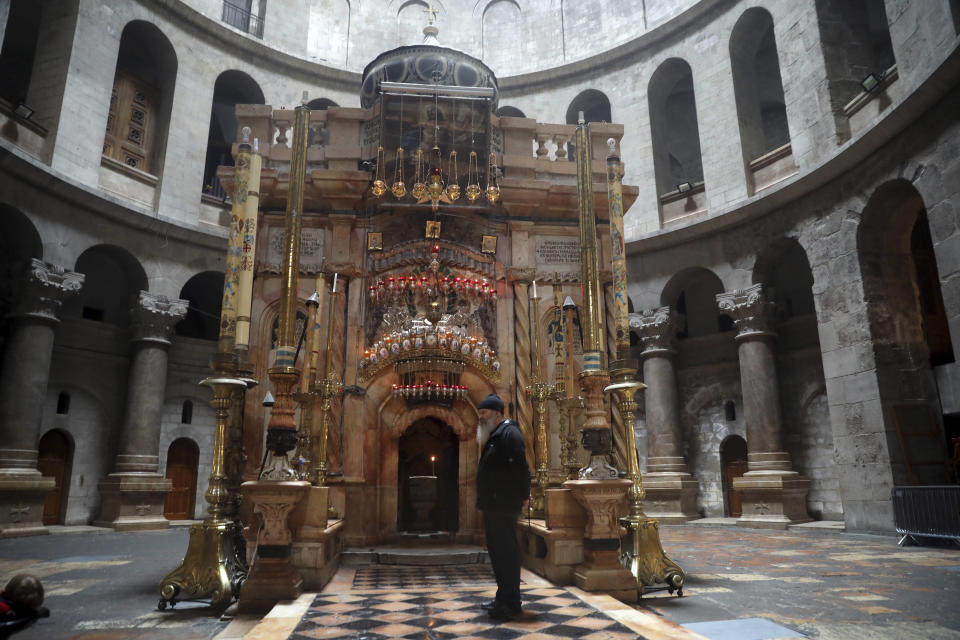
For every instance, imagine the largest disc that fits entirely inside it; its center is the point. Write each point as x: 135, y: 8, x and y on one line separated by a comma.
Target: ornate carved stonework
x: 46, y: 287
x: 154, y: 316
x: 656, y: 330
x: 750, y: 309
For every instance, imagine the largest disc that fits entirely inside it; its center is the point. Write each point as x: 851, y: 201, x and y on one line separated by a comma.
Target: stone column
x: 133, y: 495
x: 671, y: 490
x: 772, y: 494
x: 24, y: 373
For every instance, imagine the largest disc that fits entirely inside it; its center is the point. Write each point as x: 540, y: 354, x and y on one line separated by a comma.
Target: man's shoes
x: 502, y: 612
x: 488, y: 605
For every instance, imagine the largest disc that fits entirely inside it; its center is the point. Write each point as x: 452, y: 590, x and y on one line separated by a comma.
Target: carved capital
x: 750, y: 309
x: 521, y: 275
x: 656, y: 328
x: 47, y: 285
x: 154, y: 316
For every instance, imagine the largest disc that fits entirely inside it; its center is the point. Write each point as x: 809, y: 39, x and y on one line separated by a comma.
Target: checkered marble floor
x: 454, y: 612
x: 400, y: 577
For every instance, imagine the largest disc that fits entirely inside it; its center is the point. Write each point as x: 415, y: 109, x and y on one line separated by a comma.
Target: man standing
x: 503, y: 485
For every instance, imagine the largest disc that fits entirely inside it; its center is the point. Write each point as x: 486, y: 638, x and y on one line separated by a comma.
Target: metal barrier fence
x: 931, y: 511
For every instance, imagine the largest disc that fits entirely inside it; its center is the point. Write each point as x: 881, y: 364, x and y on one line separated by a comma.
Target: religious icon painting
x: 374, y: 241
x: 488, y: 244
x: 433, y: 229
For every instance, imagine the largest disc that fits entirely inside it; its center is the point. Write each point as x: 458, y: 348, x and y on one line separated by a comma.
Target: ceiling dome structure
x: 426, y: 63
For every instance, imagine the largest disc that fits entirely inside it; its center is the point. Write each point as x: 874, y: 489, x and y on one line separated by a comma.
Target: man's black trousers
x: 501, y: 531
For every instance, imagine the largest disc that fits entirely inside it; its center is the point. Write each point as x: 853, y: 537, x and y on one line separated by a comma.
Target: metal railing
x: 927, y: 511
x: 241, y: 18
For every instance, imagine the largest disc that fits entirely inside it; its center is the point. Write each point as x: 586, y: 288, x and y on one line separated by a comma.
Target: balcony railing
x: 241, y: 18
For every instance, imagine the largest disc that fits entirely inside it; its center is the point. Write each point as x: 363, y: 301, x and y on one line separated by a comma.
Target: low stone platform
x: 425, y: 555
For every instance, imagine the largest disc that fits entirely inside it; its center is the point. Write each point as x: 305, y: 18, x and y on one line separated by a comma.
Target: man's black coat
x: 503, y: 477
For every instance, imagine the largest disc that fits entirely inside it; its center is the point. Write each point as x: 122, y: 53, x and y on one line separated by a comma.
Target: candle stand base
x: 213, y: 567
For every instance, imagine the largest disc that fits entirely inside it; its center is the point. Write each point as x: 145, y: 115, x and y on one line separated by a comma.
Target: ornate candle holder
x: 214, y: 565
x: 641, y: 550
x: 539, y: 392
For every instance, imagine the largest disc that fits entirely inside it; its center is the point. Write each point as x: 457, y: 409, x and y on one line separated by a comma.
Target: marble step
x: 414, y: 556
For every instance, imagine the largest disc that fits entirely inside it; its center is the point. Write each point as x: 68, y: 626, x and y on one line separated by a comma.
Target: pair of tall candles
x: 313, y: 334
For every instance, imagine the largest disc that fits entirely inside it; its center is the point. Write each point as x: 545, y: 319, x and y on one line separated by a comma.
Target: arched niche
x: 113, y: 280
x: 204, y: 292
x: 510, y: 112
x: 231, y: 88
x: 691, y: 293
x: 783, y: 267
x: 758, y: 88
x: 142, y: 98
x: 502, y: 34
x: 19, y: 244
x: 903, y: 299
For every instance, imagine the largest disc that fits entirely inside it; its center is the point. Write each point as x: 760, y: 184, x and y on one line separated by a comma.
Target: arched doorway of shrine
x: 428, y: 462
x: 183, y: 457
x: 53, y: 460
x: 733, y: 462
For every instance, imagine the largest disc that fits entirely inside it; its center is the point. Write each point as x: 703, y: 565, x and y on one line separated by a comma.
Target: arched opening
x: 53, y: 460
x: 510, y: 112
x: 502, y: 34
x: 19, y: 244
x: 595, y: 107
x: 183, y: 457
x: 204, y: 292
x: 903, y: 298
x: 758, y: 90
x: 675, y: 136
x: 231, y: 88
x: 733, y: 462
x: 113, y: 280
x: 783, y: 267
x: 142, y: 97
x: 427, y: 477
x: 855, y: 38
x: 410, y: 20
x: 692, y: 293
x: 19, y: 49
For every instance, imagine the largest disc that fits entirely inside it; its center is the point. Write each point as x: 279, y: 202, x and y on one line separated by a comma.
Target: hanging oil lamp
x: 453, y: 189
x: 419, y: 189
x: 493, y: 190
x: 473, y: 178
x: 399, y: 188
x: 379, y: 186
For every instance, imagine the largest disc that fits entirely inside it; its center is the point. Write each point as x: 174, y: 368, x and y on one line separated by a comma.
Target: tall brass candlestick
x: 327, y: 388
x: 597, y: 437
x: 642, y: 553
x: 571, y: 402
x: 282, y: 429
x: 539, y: 392
x: 618, y: 261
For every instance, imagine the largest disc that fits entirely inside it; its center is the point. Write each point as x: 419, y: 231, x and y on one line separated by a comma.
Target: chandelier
x: 430, y: 331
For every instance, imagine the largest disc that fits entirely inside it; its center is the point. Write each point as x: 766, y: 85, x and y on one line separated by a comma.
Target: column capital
x: 45, y: 288
x: 656, y: 330
x: 522, y: 275
x: 154, y: 317
x: 751, y: 311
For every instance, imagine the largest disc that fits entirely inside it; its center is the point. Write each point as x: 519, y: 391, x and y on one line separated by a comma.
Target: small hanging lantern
x: 379, y: 186
x: 473, y: 178
x: 399, y: 187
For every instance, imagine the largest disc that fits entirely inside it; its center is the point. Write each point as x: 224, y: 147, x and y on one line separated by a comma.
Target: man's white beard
x: 484, y: 429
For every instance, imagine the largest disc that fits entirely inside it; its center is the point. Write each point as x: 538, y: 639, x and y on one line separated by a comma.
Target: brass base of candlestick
x: 642, y: 553
x: 213, y: 567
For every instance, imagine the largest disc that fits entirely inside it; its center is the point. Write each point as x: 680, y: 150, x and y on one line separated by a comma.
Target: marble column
x: 133, y: 495
x: 772, y: 494
x: 671, y: 490
x: 24, y: 373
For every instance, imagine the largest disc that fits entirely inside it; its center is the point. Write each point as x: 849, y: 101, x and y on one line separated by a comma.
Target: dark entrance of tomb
x: 182, y: 459
x: 427, y: 484
x: 53, y: 460
x: 733, y: 462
